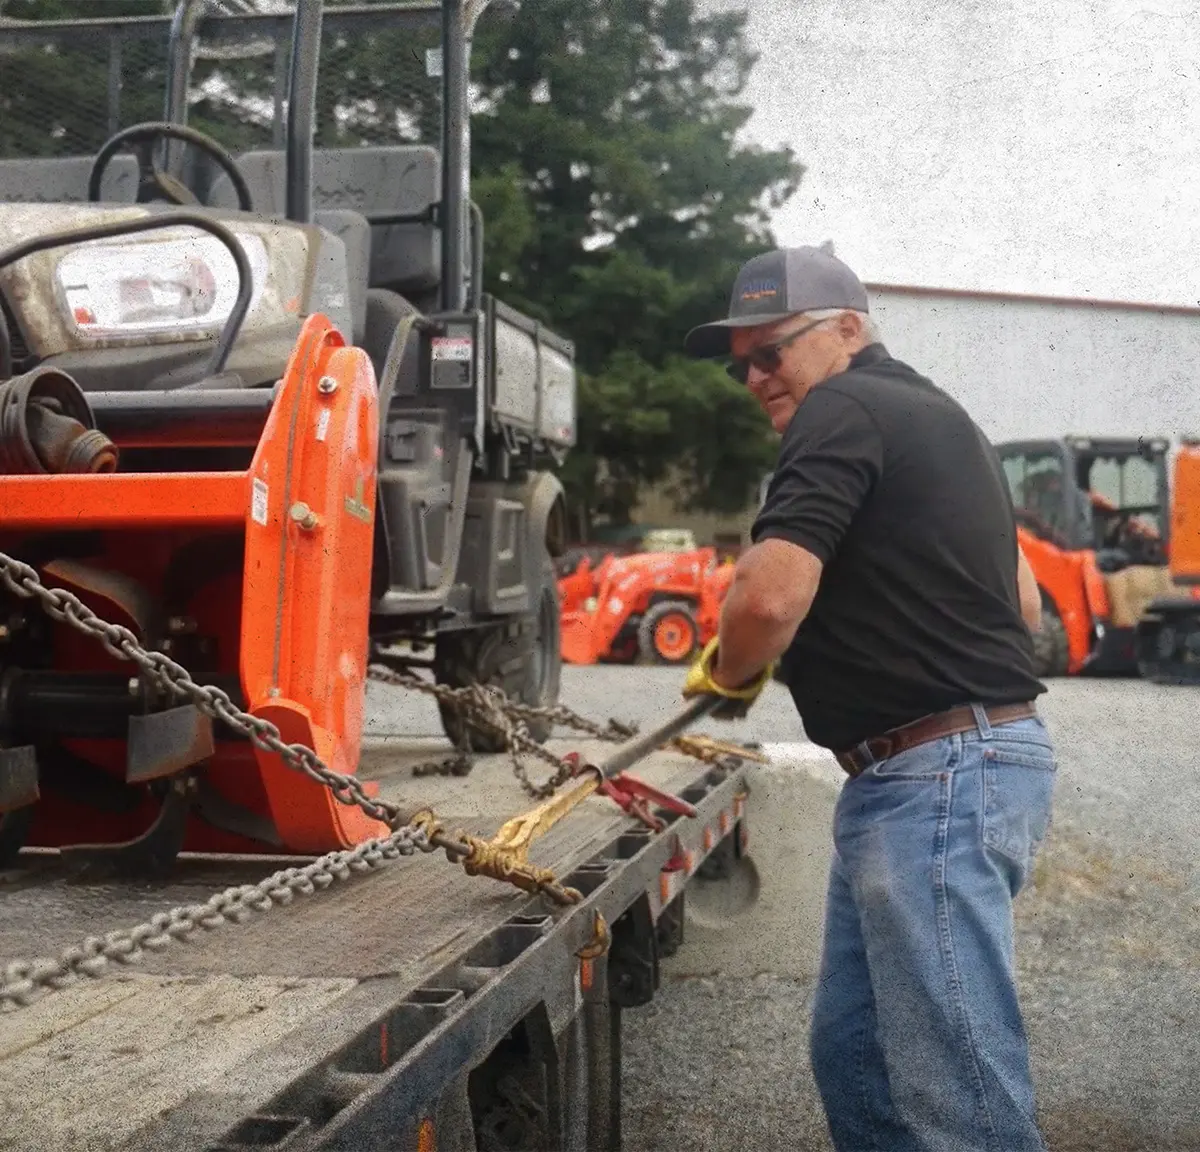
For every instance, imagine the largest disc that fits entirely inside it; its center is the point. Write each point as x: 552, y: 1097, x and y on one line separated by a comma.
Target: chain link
x: 486, y: 707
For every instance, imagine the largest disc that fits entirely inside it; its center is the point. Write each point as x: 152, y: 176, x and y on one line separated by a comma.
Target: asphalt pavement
x: 1108, y: 936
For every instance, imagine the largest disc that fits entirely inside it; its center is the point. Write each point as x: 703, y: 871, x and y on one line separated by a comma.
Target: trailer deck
x: 373, y: 979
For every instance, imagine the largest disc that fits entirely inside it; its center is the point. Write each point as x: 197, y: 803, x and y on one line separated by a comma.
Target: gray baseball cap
x: 776, y: 285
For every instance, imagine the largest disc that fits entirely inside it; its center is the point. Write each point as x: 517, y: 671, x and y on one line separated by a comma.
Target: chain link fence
x: 68, y: 85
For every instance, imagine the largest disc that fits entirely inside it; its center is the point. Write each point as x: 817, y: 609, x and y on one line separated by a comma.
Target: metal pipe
x: 179, y: 58
x: 634, y: 750
x: 476, y: 256
x: 456, y: 148
x: 226, y: 417
x: 302, y: 107
x: 179, y: 73
x: 351, y: 17
x: 79, y: 705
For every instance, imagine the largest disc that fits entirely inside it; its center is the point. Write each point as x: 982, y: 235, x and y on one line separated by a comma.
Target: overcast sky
x: 1019, y: 145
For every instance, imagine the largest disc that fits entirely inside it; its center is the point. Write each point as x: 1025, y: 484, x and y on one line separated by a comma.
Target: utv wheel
x: 522, y: 657
x: 1050, y: 651
x: 668, y: 633
x: 14, y: 828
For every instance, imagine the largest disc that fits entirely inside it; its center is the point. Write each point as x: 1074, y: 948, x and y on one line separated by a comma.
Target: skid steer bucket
x: 254, y: 579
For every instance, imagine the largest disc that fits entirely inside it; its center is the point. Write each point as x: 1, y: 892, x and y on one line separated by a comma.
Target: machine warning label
x: 258, y: 501
x: 452, y: 348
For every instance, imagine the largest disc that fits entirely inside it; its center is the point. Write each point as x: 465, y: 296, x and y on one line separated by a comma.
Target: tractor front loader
x: 657, y: 606
x: 275, y: 440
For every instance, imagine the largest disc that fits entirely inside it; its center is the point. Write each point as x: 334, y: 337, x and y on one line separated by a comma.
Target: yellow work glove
x: 699, y: 682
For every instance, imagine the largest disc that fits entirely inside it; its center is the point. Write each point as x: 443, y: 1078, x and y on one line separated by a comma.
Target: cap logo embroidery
x: 760, y: 290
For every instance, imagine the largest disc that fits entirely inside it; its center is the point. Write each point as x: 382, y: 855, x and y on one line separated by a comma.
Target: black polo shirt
x: 890, y: 483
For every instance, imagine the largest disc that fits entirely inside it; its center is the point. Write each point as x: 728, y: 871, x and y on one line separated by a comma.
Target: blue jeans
x: 917, y: 1039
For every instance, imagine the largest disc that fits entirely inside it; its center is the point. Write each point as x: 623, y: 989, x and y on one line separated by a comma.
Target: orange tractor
x: 1092, y: 519
x: 657, y: 606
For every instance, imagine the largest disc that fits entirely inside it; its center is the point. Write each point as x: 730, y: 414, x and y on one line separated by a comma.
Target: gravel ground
x: 1108, y: 944
x: 1109, y: 963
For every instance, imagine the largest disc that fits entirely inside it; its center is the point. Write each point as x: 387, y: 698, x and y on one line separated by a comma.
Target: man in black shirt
x: 885, y: 577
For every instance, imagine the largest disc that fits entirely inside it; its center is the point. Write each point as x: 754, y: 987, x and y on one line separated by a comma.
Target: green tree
x: 53, y: 99
x: 609, y: 132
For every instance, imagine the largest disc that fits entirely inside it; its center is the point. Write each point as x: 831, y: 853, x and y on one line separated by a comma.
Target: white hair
x: 870, y: 329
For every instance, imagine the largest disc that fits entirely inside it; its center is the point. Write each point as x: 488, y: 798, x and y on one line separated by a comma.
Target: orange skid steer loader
x: 1093, y: 520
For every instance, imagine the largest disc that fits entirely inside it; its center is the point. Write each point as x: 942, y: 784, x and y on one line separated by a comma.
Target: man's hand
x: 701, y: 682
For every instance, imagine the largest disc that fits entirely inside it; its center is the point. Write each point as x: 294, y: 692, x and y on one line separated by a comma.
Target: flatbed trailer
x: 413, y: 1007
x: 300, y: 487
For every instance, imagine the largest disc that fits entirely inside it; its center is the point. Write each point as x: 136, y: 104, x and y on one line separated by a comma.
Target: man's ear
x: 850, y: 326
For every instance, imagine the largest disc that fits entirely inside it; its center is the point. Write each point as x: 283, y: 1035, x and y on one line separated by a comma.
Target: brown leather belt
x: 928, y: 728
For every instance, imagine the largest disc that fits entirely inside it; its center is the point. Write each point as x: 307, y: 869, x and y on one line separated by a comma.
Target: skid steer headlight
x: 129, y: 288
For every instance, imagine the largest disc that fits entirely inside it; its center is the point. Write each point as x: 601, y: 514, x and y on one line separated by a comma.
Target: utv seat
x: 349, y: 184
x: 399, y: 180
x: 64, y: 179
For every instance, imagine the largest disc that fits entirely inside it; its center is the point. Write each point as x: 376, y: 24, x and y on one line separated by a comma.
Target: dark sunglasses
x: 766, y: 358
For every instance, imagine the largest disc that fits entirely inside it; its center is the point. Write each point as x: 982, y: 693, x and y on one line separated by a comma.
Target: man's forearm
x: 748, y: 641
x: 771, y: 594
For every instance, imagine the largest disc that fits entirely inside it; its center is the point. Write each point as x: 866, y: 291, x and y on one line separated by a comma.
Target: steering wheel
x: 1126, y: 532
x: 151, y: 179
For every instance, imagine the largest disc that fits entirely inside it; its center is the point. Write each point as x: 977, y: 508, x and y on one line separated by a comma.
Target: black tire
x: 670, y: 927
x: 14, y: 829
x: 1164, y: 637
x: 522, y: 657
x: 1051, y: 655
x: 683, y: 614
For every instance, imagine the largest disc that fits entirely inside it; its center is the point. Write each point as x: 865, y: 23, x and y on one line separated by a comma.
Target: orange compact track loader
x: 657, y: 606
x: 1092, y: 519
x: 1168, y: 632
x: 274, y: 430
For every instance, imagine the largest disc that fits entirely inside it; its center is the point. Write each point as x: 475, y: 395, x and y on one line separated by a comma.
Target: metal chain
x: 480, y: 704
x: 486, y: 706
x: 23, y: 980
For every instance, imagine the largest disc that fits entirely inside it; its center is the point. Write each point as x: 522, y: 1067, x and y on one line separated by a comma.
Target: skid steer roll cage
x: 296, y: 76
